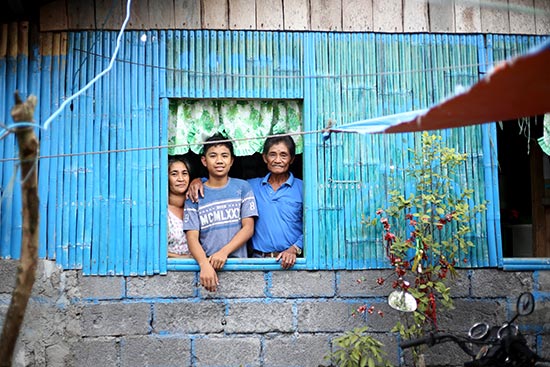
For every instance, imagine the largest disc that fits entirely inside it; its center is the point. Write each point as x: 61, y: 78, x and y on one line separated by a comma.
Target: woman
x: 178, y: 181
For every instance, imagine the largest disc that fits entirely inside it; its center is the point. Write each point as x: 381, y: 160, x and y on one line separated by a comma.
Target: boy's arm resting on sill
x: 208, y: 276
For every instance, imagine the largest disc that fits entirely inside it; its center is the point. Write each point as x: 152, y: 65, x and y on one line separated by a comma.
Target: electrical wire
x: 127, y: 150
x: 98, y: 76
x: 255, y: 76
x: 85, y: 58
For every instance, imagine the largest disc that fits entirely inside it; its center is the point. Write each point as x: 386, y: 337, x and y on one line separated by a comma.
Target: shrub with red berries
x: 424, y: 232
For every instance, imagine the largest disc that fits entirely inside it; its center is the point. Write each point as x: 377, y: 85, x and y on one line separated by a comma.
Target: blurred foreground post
x: 28, y: 152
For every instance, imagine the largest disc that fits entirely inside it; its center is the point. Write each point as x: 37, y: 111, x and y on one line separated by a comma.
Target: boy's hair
x: 215, y: 140
x: 285, y: 139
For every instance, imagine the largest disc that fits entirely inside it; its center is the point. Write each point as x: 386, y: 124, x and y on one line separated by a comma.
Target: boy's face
x: 217, y: 160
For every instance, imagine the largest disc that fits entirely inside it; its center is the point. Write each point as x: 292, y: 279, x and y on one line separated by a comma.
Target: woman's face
x: 178, y: 178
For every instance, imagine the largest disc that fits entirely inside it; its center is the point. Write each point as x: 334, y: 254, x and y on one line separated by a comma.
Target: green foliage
x: 356, y: 348
x: 425, y: 232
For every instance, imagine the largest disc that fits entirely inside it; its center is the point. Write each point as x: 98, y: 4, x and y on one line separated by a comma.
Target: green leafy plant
x: 356, y: 348
x: 425, y: 233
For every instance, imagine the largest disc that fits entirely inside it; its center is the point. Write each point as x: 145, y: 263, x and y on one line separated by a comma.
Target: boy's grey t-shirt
x: 218, y: 215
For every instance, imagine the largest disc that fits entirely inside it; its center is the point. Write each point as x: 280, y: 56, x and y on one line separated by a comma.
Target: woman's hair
x: 178, y: 158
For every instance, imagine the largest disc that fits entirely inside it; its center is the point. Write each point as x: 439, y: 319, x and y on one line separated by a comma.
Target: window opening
x: 248, y: 123
x: 524, y: 186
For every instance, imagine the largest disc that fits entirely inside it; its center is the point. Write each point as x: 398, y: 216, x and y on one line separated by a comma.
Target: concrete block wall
x: 257, y: 318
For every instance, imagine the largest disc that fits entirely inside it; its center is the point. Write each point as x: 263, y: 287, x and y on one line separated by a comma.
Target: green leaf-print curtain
x: 191, y: 122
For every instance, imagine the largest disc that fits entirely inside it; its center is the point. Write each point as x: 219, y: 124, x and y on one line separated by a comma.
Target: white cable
x: 64, y: 104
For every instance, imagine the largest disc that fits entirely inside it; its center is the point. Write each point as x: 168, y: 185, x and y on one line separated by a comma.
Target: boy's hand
x: 209, y: 278
x: 218, y: 260
x: 195, y: 189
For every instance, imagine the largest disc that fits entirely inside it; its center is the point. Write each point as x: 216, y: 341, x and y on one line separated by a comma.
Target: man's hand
x: 287, y: 257
x: 218, y: 260
x: 209, y: 278
x: 195, y: 189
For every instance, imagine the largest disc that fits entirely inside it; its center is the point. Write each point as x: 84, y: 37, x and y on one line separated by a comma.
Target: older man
x: 279, y: 197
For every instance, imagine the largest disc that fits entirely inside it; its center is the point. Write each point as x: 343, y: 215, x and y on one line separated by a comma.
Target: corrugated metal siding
x: 365, y: 75
x: 100, y: 212
x: 234, y: 64
x: 107, y: 217
x: 105, y: 213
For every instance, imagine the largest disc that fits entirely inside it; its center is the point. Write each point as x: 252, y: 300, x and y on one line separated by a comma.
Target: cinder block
x: 227, y: 351
x: 461, y: 285
x: 26, y: 355
x: 43, y: 320
x: 101, y: 287
x: 114, y: 319
x: 43, y: 336
x: 58, y: 355
x: 8, y: 272
x: 328, y: 316
x: 302, y: 350
x: 259, y: 317
x: 383, y: 317
x: 93, y: 352
x: 238, y: 284
x: 175, y: 284
x: 539, y: 317
x: 496, y: 283
x: 364, y: 283
x: 544, y: 280
x: 189, y: 317
x: 155, y: 351
x: 51, y: 281
x: 467, y: 312
x: 310, y: 284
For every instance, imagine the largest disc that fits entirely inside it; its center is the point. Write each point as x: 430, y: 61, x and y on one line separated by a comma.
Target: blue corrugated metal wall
x: 239, y: 64
x: 385, y: 74
x: 102, y: 172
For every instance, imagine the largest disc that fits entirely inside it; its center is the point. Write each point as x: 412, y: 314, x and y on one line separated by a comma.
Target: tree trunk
x: 28, y: 152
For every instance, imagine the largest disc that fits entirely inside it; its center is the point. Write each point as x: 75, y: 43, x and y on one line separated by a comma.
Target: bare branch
x: 28, y: 152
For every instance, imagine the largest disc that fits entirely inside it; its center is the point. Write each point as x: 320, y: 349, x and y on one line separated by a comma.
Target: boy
x: 219, y: 225
x: 278, y: 232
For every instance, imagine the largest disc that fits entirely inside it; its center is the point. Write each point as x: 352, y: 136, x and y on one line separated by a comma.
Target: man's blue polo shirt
x: 280, y: 221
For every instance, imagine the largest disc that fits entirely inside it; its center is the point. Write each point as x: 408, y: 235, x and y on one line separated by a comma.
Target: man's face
x: 218, y: 161
x: 278, y: 159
